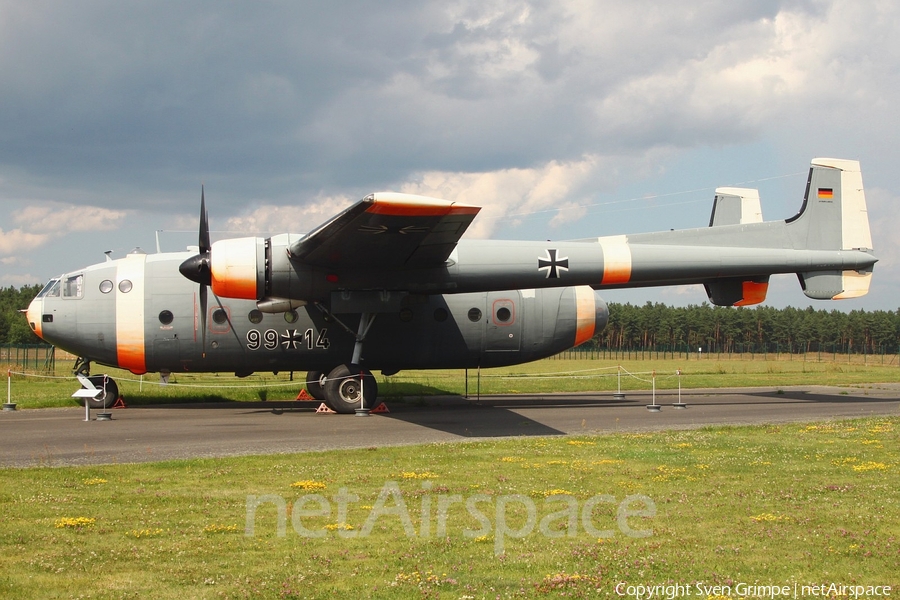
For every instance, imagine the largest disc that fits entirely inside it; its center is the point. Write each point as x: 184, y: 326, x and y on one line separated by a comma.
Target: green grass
x: 769, y: 505
x: 546, y: 376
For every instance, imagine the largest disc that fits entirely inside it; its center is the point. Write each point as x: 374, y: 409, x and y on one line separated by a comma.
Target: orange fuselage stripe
x: 130, y: 350
x: 585, y: 314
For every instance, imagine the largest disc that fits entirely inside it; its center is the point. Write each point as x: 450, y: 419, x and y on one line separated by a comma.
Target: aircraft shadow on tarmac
x: 467, y: 417
x: 805, y: 397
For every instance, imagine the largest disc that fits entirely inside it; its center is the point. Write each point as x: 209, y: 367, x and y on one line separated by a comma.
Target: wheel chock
x: 381, y: 408
x: 304, y: 396
x: 323, y: 408
x: 120, y: 403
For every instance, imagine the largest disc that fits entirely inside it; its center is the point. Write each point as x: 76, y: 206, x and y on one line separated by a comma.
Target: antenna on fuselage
x: 158, y: 251
x: 108, y: 257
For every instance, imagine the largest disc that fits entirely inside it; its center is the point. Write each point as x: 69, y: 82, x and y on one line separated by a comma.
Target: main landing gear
x: 348, y: 387
x: 340, y: 390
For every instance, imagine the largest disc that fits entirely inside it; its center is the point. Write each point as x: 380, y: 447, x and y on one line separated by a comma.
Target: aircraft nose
x: 34, y: 314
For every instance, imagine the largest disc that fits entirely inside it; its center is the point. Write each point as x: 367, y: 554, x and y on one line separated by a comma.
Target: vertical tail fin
x: 735, y: 206
x: 833, y: 217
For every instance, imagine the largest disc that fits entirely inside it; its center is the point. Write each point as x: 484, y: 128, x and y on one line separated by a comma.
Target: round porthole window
x: 474, y: 314
x: 219, y: 316
x: 166, y: 317
x: 291, y: 316
x: 406, y: 315
x: 125, y: 286
x: 106, y: 286
x: 503, y: 314
x: 255, y: 316
x: 440, y: 314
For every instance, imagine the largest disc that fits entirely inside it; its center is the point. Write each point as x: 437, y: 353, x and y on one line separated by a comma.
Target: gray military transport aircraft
x: 388, y: 284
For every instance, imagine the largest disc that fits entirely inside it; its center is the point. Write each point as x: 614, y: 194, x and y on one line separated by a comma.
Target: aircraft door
x: 170, y: 331
x: 504, y: 322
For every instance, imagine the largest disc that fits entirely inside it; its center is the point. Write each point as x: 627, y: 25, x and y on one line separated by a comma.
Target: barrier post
x: 679, y: 404
x: 619, y: 395
x: 653, y: 406
x: 10, y: 405
x: 362, y: 411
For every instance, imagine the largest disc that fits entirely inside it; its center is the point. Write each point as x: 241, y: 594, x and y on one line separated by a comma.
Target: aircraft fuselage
x: 140, y: 313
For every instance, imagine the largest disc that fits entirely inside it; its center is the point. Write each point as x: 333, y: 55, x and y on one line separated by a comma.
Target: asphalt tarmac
x: 61, y: 436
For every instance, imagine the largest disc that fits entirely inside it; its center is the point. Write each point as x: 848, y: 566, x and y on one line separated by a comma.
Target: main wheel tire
x: 342, y: 389
x: 102, y: 400
x: 315, y: 381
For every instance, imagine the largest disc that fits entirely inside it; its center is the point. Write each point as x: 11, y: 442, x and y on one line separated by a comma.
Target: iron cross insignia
x: 552, y: 264
x: 291, y: 339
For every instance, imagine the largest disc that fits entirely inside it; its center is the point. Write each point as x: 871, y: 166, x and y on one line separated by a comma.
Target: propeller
x: 197, y: 268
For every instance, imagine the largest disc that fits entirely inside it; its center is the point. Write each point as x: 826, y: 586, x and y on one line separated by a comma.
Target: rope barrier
x: 583, y: 374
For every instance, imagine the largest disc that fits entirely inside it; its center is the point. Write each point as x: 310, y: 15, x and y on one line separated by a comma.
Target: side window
x: 73, y: 287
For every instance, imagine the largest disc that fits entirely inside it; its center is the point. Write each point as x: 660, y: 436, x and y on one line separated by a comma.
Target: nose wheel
x: 107, y: 392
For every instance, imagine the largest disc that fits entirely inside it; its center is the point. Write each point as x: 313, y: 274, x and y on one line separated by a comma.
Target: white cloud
x: 20, y: 243
x: 268, y: 218
x: 562, y: 190
x: 19, y: 280
x: 57, y: 218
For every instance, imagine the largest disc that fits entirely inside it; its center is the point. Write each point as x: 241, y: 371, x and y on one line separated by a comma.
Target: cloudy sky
x: 563, y: 119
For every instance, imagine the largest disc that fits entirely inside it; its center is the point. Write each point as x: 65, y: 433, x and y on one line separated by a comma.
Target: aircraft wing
x: 387, y: 230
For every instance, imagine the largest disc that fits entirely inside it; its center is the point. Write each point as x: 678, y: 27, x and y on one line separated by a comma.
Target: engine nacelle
x: 238, y: 268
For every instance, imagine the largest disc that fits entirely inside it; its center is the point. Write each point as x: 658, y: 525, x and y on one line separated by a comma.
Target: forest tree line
x: 14, y: 328
x: 757, y: 329
x: 658, y: 326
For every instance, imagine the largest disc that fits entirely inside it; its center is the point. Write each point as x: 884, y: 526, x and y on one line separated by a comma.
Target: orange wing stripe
x: 407, y: 209
x: 616, y: 260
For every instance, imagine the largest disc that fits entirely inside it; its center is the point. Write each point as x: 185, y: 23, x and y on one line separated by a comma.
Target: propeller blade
x: 203, y: 294
x: 197, y: 268
x: 204, y: 225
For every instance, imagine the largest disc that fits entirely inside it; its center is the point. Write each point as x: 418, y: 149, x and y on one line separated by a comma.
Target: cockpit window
x: 50, y: 290
x: 73, y: 286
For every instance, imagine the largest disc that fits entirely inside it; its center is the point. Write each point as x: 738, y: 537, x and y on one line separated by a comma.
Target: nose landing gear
x: 98, y: 391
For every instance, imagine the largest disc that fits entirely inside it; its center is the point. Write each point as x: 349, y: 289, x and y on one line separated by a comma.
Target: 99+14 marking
x: 291, y: 339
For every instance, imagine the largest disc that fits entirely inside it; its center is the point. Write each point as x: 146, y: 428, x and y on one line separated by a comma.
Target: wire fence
x: 40, y: 358
x: 762, y: 352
